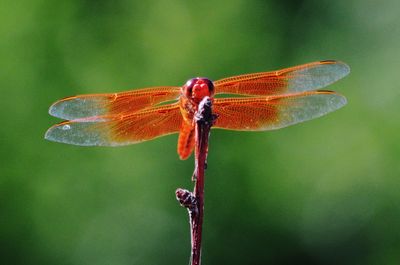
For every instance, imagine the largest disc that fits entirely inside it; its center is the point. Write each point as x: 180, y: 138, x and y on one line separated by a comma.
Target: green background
x: 322, y: 192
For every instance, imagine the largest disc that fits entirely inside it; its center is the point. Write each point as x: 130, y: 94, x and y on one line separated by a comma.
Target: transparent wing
x: 91, y: 105
x: 306, y: 77
x: 274, y: 112
x: 118, y: 129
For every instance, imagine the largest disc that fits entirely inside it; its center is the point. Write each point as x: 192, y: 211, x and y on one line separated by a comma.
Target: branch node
x: 186, y: 198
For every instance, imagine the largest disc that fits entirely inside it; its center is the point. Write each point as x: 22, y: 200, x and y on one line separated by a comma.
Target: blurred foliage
x: 322, y: 192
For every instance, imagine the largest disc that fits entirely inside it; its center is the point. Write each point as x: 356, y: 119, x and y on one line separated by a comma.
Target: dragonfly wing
x: 118, y: 129
x: 92, y: 105
x: 306, y: 77
x: 274, y: 112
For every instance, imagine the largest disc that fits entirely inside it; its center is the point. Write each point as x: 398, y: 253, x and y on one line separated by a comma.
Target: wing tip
x: 345, y: 67
x: 336, y: 101
x: 47, y: 135
x: 52, y: 109
x: 56, y: 109
x: 339, y: 100
x: 72, y: 108
x: 81, y: 134
x: 52, y: 134
x: 342, y: 101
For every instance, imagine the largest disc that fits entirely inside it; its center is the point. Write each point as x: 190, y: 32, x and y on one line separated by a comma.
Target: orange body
x: 191, y: 94
x: 268, y: 101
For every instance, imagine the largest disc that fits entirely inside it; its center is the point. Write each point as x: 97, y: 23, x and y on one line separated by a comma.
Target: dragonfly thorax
x: 197, y: 88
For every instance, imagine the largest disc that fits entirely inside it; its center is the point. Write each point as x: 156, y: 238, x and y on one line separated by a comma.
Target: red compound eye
x: 200, y: 90
x: 197, y: 88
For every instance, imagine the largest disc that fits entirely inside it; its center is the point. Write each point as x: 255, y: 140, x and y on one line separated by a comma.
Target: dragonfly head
x: 198, y: 88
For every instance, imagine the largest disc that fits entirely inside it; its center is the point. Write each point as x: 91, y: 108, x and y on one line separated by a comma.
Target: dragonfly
x: 259, y: 102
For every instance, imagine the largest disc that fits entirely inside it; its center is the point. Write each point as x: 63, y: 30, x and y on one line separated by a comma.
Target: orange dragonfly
x: 268, y: 101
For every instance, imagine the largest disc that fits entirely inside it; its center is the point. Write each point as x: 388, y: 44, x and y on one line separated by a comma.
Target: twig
x: 194, y: 201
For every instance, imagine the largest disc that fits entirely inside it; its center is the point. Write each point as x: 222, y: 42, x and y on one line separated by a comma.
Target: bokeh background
x: 322, y: 192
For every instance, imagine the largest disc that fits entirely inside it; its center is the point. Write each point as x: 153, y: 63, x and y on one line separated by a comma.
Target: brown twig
x: 194, y: 201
